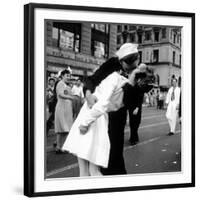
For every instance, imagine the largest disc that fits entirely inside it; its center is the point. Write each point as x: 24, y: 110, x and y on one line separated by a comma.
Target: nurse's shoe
x: 170, y: 133
x: 61, y: 151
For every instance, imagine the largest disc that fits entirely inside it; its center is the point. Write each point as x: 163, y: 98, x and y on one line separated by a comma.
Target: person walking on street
x: 135, y: 112
x: 173, y: 101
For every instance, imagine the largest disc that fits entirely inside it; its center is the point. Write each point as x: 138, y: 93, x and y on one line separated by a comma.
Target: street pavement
x: 156, y: 152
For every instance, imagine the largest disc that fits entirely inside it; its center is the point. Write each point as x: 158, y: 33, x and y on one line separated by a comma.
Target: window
x: 140, y: 56
x: 119, y: 28
x: 174, y: 38
x: 139, y: 38
x: 163, y: 33
x: 174, y: 57
x: 148, y: 35
x: 132, y: 37
x: 67, y: 35
x: 178, y: 38
x: 155, y: 56
x: 100, y: 40
x: 125, y: 36
x: 101, y: 27
x: 66, y: 39
x: 118, y: 39
x: 147, y: 56
x: 99, y: 49
x: 156, y: 36
x: 125, y: 27
x: 131, y: 27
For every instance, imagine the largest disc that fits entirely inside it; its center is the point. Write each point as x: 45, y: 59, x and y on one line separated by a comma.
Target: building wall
x: 163, y: 72
x: 163, y: 54
x: 175, y: 71
x: 147, y: 53
x: 82, y: 63
x: 177, y: 55
x: 113, y: 40
x: 49, y: 27
x: 86, y: 39
x: 166, y: 66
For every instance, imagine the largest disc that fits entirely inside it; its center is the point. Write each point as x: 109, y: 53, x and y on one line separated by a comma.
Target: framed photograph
x: 78, y: 137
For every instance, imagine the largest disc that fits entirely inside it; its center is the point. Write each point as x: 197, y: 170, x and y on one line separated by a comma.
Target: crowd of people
x: 155, y: 98
x: 89, y: 117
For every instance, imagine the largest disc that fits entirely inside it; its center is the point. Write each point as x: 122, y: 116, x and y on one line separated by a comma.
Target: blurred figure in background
x: 51, y: 103
x: 77, y: 91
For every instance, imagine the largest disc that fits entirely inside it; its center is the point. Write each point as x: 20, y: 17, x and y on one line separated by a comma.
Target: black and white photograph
x: 109, y: 102
x: 113, y: 99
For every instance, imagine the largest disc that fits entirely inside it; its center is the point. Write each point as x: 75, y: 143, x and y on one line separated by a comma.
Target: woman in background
x: 63, y: 110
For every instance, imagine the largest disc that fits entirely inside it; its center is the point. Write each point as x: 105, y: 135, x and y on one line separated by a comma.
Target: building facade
x: 80, y: 46
x: 159, y: 48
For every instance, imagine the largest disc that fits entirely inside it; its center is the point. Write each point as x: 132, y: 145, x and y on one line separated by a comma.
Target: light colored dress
x: 63, y: 111
x: 94, y: 146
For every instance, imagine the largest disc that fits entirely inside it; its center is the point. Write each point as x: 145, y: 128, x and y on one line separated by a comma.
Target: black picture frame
x: 29, y: 96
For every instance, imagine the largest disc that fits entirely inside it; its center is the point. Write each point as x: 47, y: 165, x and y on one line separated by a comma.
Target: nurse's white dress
x: 94, y: 146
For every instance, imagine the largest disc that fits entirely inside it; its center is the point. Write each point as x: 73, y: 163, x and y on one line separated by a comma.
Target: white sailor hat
x: 127, y: 49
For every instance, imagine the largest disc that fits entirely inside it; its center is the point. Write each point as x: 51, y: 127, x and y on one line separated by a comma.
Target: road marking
x: 147, y: 126
x: 152, y: 113
x: 142, y: 143
x: 151, y: 125
x: 72, y: 166
x: 148, y: 141
x: 56, y: 171
x: 153, y: 116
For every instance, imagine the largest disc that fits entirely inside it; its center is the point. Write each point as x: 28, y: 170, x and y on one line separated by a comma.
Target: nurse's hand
x: 83, y: 129
x: 90, y: 98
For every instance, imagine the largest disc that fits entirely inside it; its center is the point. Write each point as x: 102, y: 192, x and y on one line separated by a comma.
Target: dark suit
x: 133, y: 97
x: 135, y: 120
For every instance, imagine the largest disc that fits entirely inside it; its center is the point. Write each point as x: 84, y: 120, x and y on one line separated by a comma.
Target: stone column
x: 112, y: 40
x: 49, y: 29
x: 86, y: 38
